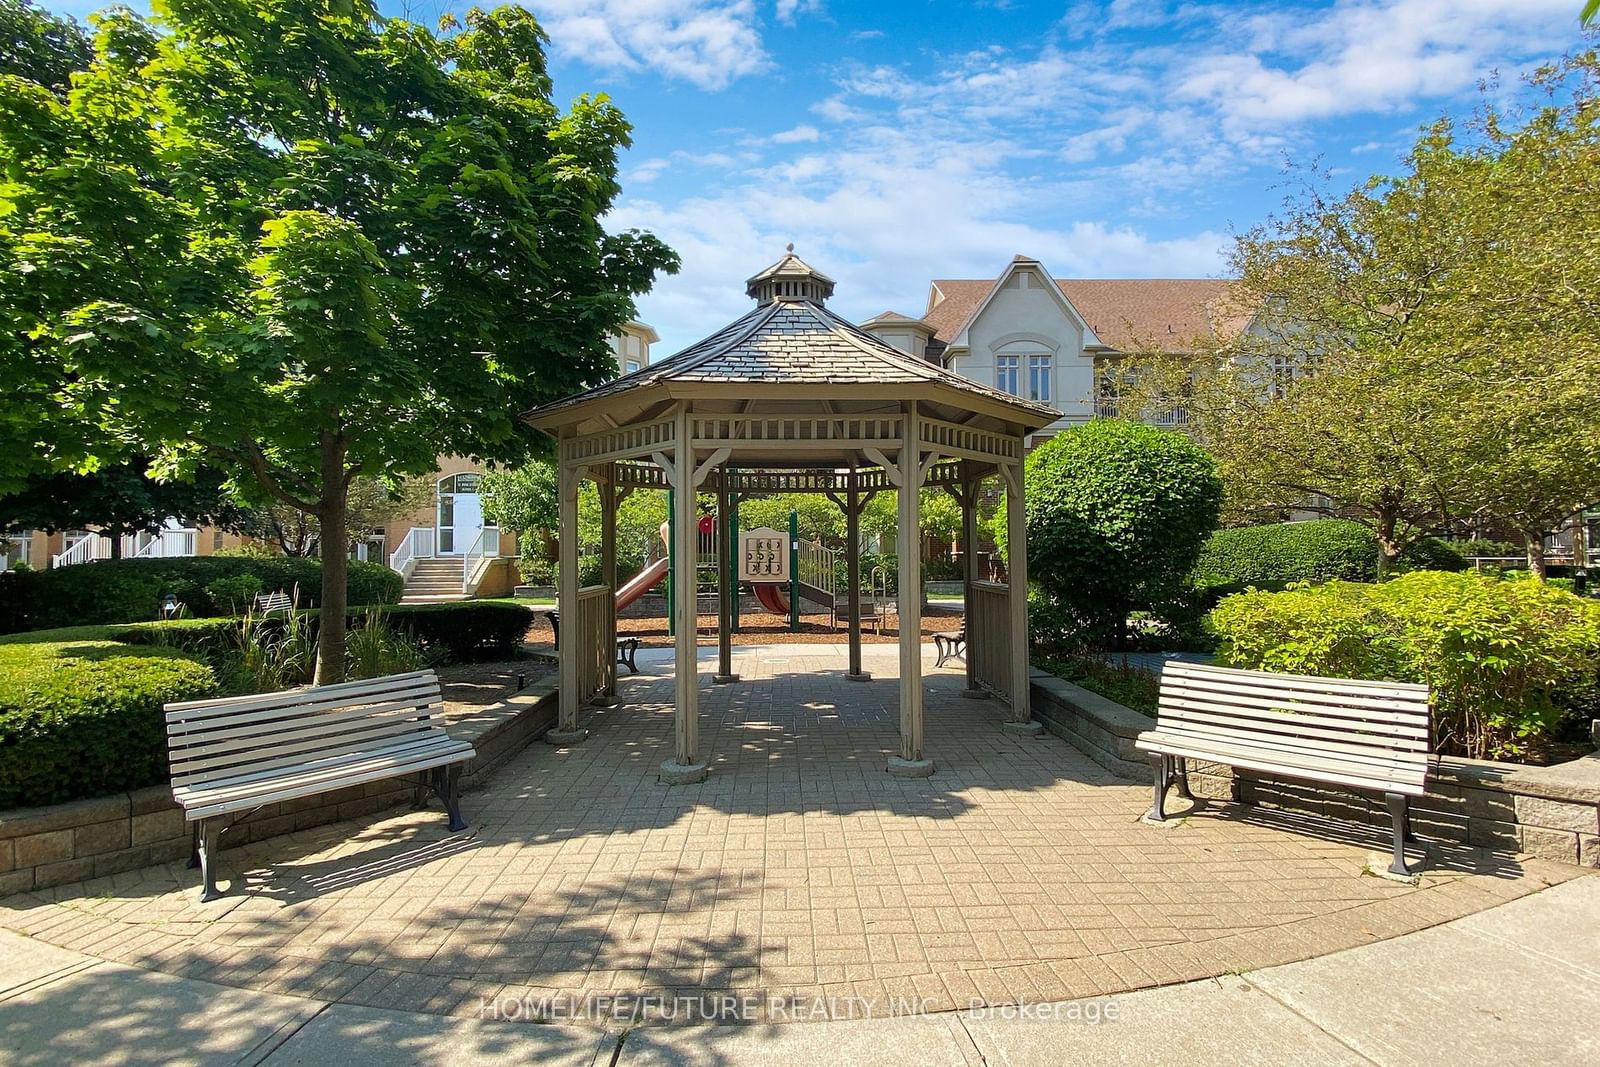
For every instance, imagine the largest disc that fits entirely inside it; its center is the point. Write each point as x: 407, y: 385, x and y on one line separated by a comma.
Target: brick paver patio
x: 1019, y: 872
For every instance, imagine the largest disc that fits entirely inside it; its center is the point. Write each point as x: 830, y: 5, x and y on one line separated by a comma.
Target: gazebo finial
x: 791, y: 278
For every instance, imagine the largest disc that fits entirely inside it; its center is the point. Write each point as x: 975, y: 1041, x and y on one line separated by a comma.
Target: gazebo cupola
x: 791, y: 278
x: 790, y: 398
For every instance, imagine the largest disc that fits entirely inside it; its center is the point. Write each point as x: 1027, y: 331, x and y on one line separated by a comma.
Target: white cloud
x: 803, y: 133
x: 708, y: 43
x: 1363, y: 56
x: 789, y: 9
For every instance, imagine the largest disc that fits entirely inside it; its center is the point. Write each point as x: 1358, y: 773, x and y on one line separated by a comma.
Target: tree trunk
x: 1388, y: 546
x: 116, y: 545
x: 1535, y: 545
x: 335, y: 566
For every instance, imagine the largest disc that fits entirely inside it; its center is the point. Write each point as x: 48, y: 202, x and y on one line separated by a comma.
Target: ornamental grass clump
x: 1504, y: 660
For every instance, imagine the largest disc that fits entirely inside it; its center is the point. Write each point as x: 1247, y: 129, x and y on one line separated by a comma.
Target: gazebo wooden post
x: 852, y: 527
x: 1021, y: 720
x: 568, y: 477
x: 727, y: 584
x: 971, y: 487
x: 908, y: 544
x: 607, y: 478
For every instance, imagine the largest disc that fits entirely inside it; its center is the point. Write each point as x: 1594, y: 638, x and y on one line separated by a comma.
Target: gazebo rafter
x: 791, y: 398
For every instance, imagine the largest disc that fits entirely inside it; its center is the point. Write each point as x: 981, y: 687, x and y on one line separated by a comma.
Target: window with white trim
x: 1040, y: 368
x: 1006, y: 374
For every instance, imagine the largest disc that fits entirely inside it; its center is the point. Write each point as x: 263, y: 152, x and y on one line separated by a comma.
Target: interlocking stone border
x: 62, y: 843
x: 1549, y: 812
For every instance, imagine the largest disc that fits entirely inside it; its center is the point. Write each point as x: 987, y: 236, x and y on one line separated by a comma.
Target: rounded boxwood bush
x: 1117, y: 514
x: 1319, y: 550
x: 83, y: 718
x: 1504, y: 660
x: 130, y: 590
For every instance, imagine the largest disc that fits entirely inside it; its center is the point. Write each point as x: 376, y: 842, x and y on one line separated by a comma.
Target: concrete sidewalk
x: 1518, y: 983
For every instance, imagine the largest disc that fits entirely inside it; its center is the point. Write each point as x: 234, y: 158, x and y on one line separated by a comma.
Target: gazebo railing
x: 989, y: 636
x: 588, y: 640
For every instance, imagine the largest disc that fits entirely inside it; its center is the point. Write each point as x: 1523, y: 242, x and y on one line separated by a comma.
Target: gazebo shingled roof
x: 791, y: 398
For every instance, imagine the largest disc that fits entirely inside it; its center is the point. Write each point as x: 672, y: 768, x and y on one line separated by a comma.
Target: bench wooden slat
x: 1362, y: 705
x: 1404, y: 780
x: 1309, y: 748
x: 322, y: 694
x: 201, y: 803
x: 1308, y: 682
x: 241, y: 779
x: 300, y: 746
x: 1311, y: 714
x: 257, y: 724
x: 1405, y: 737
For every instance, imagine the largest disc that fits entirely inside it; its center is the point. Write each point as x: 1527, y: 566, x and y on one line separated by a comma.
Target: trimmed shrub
x: 1321, y: 550
x: 130, y: 590
x: 468, y: 630
x: 1117, y: 514
x: 83, y: 718
x: 1504, y: 659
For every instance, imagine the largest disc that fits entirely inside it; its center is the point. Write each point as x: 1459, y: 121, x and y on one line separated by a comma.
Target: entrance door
x: 460, y: 513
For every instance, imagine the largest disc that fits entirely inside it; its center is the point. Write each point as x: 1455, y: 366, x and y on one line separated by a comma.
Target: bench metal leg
x: 447, y: 785
x: 1181, y: 767
x: 206, y: 835
x: 1163, y: 772
x: 1400, y: 812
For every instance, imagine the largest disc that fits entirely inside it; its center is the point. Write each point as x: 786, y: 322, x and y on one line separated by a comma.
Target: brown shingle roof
x: 794, y: 342
x: 1125, y: 313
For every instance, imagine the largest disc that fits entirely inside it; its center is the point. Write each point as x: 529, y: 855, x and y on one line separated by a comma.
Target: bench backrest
x: 1359, y: 733
x: 270, y: 602
x: 234, y: 736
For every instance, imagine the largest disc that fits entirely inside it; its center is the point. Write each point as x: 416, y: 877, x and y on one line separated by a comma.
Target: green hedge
x: 468, y: 630
x: 1505, y: 660
x: 83, y: 718
x: 130, y: 590
x: 1321, y: 550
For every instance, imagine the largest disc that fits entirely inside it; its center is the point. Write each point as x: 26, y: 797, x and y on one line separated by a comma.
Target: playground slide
x: 774, y: 598
x: 641, y: 583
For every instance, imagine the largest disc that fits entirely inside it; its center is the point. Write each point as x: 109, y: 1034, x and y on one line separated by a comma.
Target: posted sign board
x: 763, y: 555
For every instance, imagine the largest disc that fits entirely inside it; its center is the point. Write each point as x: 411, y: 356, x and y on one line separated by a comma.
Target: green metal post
x: 794, y: 572
x: 672, y: 554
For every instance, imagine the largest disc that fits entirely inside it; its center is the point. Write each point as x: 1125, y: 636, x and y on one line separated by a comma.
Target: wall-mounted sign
x: 763, y: 555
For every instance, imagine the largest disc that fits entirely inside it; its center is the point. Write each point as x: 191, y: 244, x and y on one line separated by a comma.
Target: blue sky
x: 902, y: 140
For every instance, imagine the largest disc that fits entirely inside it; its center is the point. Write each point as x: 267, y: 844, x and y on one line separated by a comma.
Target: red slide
x: 772, y: 597
x: 641, y: 583
x: 645, y: 580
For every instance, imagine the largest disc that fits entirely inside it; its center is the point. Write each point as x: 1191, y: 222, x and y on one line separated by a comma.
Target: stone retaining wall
x: 43, y: 847
x: 1550, y: 812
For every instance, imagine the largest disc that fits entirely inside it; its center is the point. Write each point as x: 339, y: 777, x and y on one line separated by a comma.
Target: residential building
x: 1059, y: 342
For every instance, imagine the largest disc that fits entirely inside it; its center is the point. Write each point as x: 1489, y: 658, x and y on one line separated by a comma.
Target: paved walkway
x: 799, y: 881
x: 1519, y: 983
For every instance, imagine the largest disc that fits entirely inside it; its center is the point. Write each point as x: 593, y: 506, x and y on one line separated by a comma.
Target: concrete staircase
x: 434, y: 581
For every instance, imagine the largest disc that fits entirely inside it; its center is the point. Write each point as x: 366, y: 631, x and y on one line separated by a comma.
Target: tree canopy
x: 1425, y: 348
x: 309, y: 243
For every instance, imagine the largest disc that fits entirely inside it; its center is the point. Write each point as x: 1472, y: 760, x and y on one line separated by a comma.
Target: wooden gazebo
x: 791, y: 398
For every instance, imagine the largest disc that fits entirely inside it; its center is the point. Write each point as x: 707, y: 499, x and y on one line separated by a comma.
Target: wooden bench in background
x: 267, y: 603
x: 231, y: 756
x: 1335, y: 731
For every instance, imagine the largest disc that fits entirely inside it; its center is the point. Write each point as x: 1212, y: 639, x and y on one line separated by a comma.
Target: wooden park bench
x: 268, y: 603
x: 230, y: 757
x: 627, y: 647
x: 1357, y: 734
x: 951, y: 646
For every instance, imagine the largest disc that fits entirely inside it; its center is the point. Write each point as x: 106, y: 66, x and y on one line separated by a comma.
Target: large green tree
x: 307, y: 242
x: 1424, y: 348
x: 118, y: 500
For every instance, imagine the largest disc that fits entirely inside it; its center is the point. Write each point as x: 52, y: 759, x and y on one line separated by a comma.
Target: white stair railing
x: 476, y: 559
x: 417, y: 544
x: 163, y: 544
x: 84, y: 549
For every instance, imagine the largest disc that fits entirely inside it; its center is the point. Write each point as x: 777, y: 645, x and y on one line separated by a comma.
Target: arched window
x: 465, y: 482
